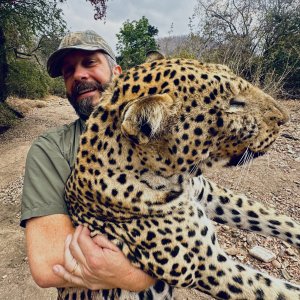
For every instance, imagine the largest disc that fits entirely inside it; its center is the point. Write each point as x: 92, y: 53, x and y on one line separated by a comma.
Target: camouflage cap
x: 87, y: 40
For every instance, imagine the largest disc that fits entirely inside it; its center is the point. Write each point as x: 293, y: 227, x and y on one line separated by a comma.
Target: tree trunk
x: 3, y: 67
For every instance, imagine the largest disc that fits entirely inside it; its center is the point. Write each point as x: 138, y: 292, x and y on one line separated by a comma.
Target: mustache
x: 80, y: 86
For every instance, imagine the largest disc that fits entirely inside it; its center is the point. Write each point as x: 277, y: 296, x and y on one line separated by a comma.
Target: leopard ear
x: 154, y: 55
x: 147, y: 117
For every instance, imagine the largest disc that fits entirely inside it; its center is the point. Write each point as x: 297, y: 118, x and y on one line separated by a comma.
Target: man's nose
x: 80, y: 73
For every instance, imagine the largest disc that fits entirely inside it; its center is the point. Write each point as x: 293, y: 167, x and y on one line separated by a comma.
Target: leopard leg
x: 181, y: 248
x: 223, y: 278
x: 224, y: 207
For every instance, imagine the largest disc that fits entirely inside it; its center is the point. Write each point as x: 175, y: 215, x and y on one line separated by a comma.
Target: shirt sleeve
x: 46, y: 173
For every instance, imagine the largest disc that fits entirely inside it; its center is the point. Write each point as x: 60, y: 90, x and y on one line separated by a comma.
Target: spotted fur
x: 138, y: 177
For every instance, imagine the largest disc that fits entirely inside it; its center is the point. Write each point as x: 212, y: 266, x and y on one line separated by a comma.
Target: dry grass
x: 23, y: 106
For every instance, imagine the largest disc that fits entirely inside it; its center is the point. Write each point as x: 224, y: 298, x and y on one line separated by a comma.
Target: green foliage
x: 135, y: 39
x: 24, y: 28
x: 56, y: 86
x: 25, y: 23
x: 7, y: 117
x: 281, y: 49
x: 3, y: 67
x: 31, y: 17
x: 184, y: 53
x: 27, y: 80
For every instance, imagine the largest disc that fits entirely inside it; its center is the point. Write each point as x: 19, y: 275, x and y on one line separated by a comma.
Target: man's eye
x: 67, y: 71
x: 90, y: 62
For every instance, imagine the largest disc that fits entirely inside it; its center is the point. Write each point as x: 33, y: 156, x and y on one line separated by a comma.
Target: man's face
x: 86, y: 74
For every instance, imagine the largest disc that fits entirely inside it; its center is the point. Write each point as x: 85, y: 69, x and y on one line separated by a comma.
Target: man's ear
x: 117, y: 70
x: 154, y: 55
x: 147, y: 117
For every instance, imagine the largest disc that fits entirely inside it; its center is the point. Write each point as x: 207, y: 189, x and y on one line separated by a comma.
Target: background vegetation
x: 135, y: 39
x: 258, y: 39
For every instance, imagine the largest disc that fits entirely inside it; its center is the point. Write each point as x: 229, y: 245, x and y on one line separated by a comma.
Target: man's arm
x: 101, y: 262
x: 45, y: 239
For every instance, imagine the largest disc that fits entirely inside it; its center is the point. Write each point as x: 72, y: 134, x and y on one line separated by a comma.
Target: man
x: 59, y: 255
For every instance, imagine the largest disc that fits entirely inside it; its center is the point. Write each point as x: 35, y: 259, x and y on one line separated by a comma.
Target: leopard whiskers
x: 194, y: 168
x: 267, y: 155
x: 245, y: 163
x: 243, y: 158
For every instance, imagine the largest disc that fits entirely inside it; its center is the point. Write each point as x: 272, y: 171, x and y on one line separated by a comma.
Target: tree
x: 21, y: 24
x: 258, y: 39
x: 282, y: 43
x: 32, y: 29
x: 135, y: 39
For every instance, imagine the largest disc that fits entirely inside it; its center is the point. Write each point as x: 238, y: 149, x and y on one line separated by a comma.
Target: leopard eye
x: 237, y: 103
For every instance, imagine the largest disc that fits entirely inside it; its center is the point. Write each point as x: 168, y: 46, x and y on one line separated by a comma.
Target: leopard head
x: 183, y: 114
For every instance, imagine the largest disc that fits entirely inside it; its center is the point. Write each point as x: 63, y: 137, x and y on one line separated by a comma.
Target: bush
x: 27, y: 79
x: 57, y: 87
x: 7, y: 117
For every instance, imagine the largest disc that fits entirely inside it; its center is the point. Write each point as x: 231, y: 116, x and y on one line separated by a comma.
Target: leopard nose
x: 281, y: 122
x: 284, y: 116
x: 278, y: 114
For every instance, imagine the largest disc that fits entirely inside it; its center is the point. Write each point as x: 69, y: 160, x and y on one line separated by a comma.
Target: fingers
x: 87, y: 245
x: 95, y: 263
x: 63, y: 273
x: 70, y: 263
x: 103, y: 242
x: 74, y: 247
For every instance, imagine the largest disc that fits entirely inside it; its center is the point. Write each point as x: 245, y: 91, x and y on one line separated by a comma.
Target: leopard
x: 139, y: 178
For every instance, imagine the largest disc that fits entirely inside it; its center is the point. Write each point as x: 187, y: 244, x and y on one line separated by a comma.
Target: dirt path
x: 273, y: 179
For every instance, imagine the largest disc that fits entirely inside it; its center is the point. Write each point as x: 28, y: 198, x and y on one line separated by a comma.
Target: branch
x: 38, y: 45
x: 20, y: 55
x: 241, y: 12
x: 233, y: 29
x: 100, y: 6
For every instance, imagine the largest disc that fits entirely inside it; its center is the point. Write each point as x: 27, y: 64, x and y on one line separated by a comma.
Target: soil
x: 273, y: 179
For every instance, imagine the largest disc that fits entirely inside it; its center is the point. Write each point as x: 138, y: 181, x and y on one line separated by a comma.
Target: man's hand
x: 96, y: 263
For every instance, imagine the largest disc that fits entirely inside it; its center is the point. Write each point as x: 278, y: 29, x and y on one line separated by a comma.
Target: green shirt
x: 48, y: 166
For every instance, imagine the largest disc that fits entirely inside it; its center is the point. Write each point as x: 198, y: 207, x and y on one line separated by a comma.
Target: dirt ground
x: 273, y: 179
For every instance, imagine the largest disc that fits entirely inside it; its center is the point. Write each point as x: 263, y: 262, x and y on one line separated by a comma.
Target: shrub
x: 27, y: 79
x: 56, y: 86
x: 7, y: 117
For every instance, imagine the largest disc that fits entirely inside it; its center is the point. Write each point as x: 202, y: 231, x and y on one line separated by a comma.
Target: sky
x: 79, y: 15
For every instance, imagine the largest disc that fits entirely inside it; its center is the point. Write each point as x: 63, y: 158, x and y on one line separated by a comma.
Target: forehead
x: 75, y: 56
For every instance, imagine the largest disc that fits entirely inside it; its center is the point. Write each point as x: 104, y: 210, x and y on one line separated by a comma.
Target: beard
x: 85, y: 106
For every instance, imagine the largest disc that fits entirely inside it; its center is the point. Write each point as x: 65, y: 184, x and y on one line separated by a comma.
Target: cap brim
x: 55, y: 61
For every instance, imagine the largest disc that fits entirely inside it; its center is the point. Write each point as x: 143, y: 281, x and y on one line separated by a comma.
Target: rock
x: 285, y: 274
x: 276, y: 264
x: 240, y: 257
x: 235, y: 234
x: 286, y: 244
x: 262, y: 254
x: 250, y: 239
x: 232, y: 251
x: 281, y: 253
x: 290, y: 252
